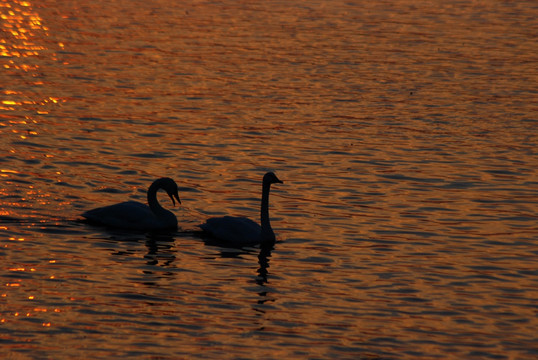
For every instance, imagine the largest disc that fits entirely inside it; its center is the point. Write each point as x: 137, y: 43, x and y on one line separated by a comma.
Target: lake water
x: 406, y: 134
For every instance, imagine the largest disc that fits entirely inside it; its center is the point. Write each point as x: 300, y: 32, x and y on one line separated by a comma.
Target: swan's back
x: 238, y: 231
x: 129, y: 215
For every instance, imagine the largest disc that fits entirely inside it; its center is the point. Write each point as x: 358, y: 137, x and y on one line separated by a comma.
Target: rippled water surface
x: 405, y: 133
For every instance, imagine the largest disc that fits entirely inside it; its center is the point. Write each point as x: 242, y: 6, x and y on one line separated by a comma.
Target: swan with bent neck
x: 133, y: 215
x: 241, y: 231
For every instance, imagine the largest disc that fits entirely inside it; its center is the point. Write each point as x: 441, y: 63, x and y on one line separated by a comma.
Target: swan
x: 241, y: 231
x: 134, y: 215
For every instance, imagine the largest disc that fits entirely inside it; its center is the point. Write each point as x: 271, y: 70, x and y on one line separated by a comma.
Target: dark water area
x: 405, y: 133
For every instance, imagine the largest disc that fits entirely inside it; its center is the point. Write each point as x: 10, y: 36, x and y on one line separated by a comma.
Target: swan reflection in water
x: 263, y: 261
x: 133, y: 215
x: 241, y: 231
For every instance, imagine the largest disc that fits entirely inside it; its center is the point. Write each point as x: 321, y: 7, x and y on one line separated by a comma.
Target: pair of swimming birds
x: 134, y: 215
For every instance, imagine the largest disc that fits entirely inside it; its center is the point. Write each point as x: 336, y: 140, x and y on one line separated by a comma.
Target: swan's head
x: 171, y: 189
x: 270, y: 178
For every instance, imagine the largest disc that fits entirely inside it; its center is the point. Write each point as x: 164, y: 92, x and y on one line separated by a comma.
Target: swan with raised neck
x: 241, y: 231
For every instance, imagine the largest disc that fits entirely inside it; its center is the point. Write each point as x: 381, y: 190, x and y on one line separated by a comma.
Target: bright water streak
x: 405, y: 133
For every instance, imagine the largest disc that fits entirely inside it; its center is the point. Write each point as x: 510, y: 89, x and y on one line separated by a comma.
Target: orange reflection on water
x: 16, y: 239
x: 18, y: 27
x: 22, y: 34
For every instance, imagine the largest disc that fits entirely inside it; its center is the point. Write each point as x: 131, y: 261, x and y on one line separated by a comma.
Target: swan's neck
x: 267, y: 232
x: 152, y: 199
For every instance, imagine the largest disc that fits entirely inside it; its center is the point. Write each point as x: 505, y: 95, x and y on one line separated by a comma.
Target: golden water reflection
x: 21, y: 46
x: 20, y: 25
x: 24, y: 56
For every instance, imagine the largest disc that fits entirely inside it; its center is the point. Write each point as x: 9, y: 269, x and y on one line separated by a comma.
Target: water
x: 405, y: 133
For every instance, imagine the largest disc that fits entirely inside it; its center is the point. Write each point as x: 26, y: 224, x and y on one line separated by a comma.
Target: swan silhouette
x: 241, y: 231
x: 134, y: 215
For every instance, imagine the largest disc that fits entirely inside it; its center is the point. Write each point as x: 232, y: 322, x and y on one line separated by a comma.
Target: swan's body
x: 134, y: 215
x: 241, y: 231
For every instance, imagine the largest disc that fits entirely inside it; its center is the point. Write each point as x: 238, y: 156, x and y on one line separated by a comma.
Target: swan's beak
x: 176, y: 196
